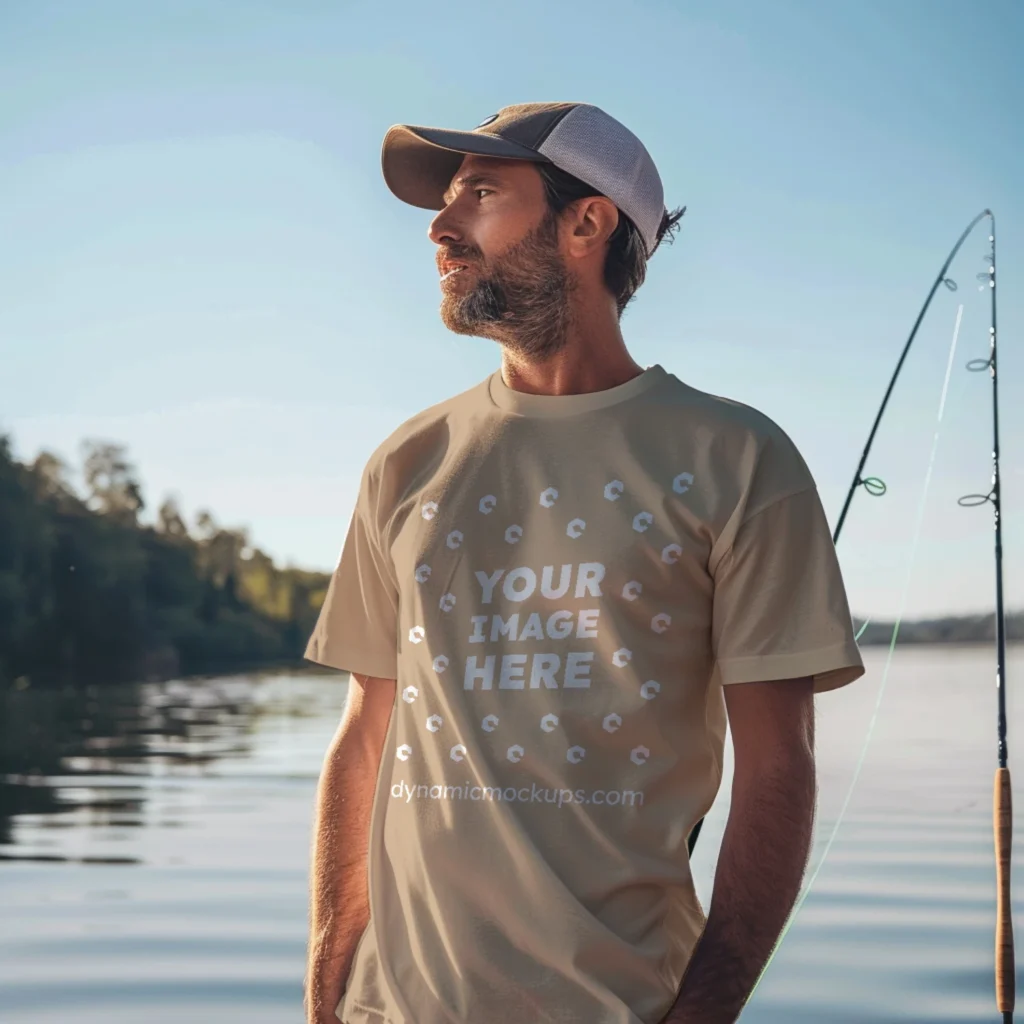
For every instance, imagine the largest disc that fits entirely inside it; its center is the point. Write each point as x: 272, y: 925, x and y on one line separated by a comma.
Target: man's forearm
x: 339, y: 904
x: 762, y: 861
x: 339, y: 900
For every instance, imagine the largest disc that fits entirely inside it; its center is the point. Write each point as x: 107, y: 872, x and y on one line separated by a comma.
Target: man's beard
x: 520, y: 299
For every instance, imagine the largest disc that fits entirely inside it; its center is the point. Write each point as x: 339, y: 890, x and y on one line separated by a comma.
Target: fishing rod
x: 1002, y: 803
x: 1002, y: 811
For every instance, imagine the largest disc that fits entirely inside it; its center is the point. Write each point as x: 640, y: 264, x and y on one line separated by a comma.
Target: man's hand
x: 764, y: 850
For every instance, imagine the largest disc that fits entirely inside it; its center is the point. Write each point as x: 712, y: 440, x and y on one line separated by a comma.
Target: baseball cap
x: 581, y: 139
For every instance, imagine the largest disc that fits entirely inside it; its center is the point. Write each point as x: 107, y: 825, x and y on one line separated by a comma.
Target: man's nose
x: 444, y: 229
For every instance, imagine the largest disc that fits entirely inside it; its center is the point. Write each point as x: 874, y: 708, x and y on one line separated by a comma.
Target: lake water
x: 154, y: 848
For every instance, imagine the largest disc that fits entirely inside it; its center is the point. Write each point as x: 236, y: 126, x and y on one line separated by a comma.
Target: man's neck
x: 594, y: 358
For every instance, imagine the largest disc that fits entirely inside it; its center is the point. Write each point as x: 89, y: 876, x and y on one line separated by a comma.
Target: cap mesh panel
x: 600, y: 151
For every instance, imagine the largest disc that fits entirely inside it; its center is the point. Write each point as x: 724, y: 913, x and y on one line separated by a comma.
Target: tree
x: 169, y: 520
x: 51, y: 475
x: 111, y: 483
x: 25, y: 550
x: 206, y: 527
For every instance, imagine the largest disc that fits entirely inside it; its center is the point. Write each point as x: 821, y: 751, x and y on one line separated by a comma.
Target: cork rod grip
x: 1003, y: 824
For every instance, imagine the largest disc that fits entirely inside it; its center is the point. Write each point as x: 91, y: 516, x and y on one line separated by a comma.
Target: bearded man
x: 557, y: 590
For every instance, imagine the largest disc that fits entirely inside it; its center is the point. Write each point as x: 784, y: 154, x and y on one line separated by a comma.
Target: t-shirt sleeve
x: 780, y: 605
x: 357, y: 630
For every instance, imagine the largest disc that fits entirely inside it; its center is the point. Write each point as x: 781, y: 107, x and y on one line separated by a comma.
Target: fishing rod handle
x: 1003, y: 824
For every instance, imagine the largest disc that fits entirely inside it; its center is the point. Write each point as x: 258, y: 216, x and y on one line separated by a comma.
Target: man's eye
x: 479, y: 191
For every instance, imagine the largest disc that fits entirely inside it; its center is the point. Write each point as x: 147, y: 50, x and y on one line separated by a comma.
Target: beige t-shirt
x: 562, y: 586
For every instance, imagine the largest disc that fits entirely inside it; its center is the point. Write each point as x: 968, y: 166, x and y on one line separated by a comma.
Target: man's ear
x: 590, y: 223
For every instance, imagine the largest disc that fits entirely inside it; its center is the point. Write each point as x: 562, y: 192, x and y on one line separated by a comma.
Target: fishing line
x: 922, y: 502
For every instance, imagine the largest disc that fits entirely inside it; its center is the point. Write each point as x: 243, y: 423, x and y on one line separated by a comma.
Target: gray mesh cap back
x: 581, y: 139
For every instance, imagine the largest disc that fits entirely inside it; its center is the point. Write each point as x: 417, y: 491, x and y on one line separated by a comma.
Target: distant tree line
x: 90, y: 595
x: 962, y: 629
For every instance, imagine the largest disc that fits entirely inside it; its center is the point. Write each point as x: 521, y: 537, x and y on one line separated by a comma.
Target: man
x: 555, y: 590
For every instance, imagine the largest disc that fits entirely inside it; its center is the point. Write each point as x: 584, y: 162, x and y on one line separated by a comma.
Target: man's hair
x: 625, y: 265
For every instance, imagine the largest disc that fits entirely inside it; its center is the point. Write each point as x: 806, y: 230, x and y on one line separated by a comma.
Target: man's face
x: 503, y: 274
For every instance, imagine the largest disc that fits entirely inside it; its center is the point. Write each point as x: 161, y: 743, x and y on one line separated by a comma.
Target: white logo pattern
x: 670, y: 554
x: 650, y: 689
x: 575, y: 528
x: 642, y: 521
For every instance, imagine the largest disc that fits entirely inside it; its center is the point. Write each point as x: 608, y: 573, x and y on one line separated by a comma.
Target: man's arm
x: 339, y: 901
x: 764, y: 850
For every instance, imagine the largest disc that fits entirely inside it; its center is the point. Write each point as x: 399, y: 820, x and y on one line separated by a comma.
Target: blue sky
x: 199, y: 258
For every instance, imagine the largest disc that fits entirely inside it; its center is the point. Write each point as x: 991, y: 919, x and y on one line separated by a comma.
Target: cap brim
x: 419, y: 163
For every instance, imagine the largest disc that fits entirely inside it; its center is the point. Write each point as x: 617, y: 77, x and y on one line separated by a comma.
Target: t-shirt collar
x: 552, y: 406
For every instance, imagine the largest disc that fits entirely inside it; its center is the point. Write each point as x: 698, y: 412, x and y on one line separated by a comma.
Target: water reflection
x: 105, y: 759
